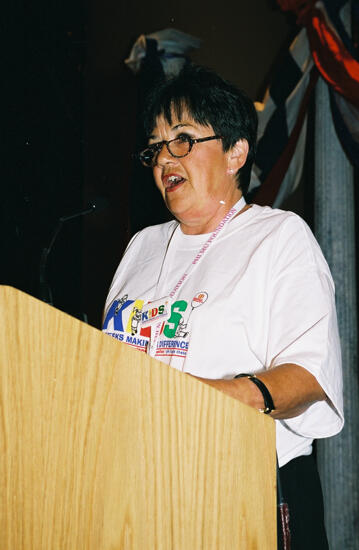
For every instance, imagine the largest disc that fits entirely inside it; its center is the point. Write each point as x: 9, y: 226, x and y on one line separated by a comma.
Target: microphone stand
x: 45, y: 289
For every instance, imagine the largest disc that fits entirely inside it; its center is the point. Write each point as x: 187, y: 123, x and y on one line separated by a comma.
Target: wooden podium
x: 104, y: 448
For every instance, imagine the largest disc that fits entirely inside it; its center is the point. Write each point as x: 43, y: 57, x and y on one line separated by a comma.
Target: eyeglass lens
x: 178, y: 147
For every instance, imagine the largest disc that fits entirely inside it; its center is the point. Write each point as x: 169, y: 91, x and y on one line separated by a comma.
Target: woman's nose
x: 164, y: 156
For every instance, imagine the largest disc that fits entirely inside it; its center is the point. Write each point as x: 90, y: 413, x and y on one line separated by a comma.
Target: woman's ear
x: 237, y: 156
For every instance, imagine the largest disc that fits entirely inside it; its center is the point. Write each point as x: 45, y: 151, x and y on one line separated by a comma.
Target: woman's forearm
x: 293, y: 390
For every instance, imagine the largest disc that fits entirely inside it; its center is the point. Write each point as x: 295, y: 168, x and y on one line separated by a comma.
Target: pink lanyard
x: 196, y: 260
x: 151, y: 350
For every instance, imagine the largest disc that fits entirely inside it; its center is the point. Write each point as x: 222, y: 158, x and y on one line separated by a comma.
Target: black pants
x: 302, y: 491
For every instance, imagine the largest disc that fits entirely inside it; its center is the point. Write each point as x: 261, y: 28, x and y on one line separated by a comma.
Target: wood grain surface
x: 104, y: 448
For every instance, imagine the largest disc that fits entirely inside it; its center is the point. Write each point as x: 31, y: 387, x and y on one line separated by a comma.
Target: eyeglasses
x: 178, y: 148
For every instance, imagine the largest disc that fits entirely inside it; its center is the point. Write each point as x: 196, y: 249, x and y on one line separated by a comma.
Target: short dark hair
x: 208, y: 99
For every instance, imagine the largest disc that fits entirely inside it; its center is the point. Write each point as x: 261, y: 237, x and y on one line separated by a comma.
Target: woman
x: 229, y: 288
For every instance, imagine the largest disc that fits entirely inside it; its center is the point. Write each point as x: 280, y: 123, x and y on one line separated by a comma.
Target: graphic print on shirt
x: 123, y: 321
x: 135, y: 320
x: 175, y: 336
x: 128, y: 321
x: 120, y: 303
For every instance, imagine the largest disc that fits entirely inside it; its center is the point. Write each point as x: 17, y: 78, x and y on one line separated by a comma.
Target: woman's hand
x: 293, y: 390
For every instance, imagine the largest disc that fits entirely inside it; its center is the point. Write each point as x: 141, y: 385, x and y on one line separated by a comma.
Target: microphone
x: 95, y: 205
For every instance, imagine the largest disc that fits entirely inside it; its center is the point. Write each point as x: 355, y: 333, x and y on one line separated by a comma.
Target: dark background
x: 69, y: 128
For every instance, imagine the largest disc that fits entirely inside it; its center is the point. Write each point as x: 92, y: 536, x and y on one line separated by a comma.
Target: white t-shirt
x: 261, y: 296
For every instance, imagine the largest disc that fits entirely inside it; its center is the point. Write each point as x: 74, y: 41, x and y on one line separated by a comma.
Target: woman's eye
x: 184, y: 137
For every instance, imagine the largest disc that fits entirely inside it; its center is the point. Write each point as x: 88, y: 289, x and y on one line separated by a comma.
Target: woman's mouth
x: 172, y: 181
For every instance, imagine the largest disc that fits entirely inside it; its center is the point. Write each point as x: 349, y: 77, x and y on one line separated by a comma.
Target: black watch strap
x: 267, y: 398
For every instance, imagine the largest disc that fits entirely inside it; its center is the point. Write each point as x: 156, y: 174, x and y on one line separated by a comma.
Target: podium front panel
x: 104, y: 448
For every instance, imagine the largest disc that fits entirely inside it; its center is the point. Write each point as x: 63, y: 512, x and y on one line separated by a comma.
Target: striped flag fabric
x: 323, y: 47
x: 282, y: 127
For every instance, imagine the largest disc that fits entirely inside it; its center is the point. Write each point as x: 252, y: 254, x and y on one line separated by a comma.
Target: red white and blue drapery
x: 323, y: 47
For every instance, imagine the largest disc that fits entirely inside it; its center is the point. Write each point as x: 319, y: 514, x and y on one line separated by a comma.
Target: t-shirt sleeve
x: 303, y: 325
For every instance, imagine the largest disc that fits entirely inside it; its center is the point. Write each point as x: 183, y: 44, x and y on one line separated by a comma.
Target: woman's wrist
x: 268, y: 404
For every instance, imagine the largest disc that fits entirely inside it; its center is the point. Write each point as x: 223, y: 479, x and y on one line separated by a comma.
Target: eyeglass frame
x: 157, y: 148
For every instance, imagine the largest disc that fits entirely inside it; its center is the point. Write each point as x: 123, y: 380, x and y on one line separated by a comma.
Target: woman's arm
x: 292, y: 388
